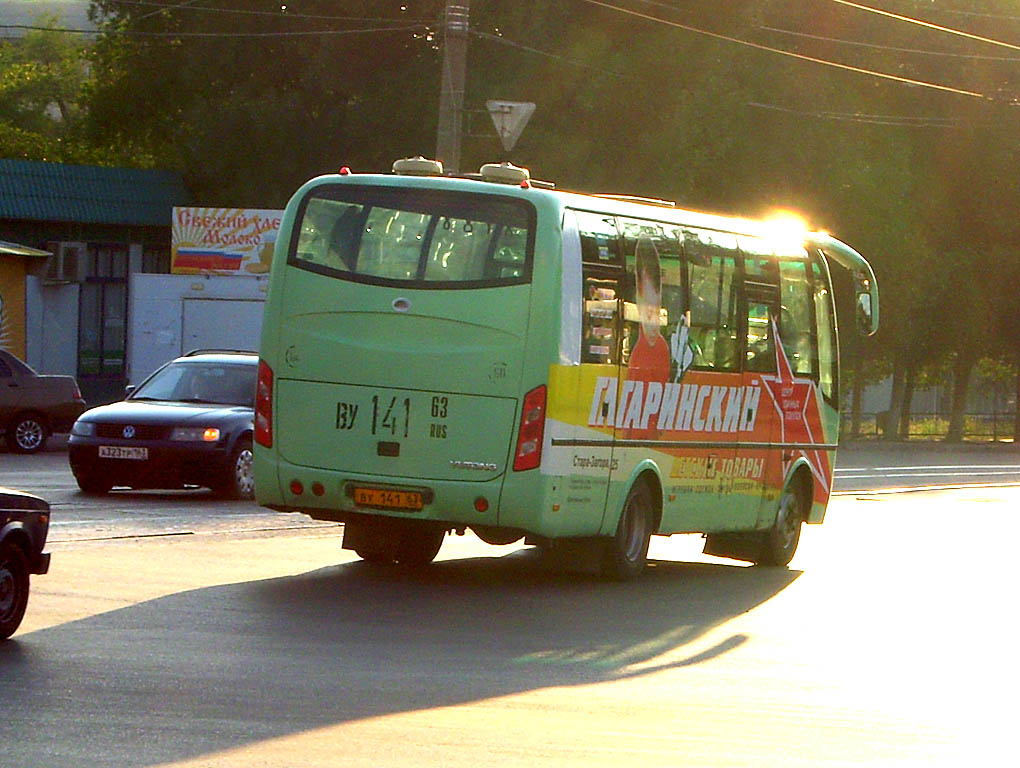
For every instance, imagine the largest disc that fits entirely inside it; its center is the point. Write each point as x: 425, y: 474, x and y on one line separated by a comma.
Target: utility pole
x: 451, y: 92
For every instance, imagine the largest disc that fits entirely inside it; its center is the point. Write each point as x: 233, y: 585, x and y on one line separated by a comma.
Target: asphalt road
x: 248, y: 640
x: 865, y: 467
x: 874, y: 466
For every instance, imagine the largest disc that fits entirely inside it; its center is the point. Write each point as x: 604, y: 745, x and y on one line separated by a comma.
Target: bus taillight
x: 264, y: 406
x: 529, y: 439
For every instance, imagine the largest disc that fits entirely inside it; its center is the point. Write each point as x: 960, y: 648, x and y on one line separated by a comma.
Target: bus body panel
x: 422, y: 380
x: 428, y: 434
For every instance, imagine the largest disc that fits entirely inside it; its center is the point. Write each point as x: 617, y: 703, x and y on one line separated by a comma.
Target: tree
x: 41, y: 81
x: 249, y: 100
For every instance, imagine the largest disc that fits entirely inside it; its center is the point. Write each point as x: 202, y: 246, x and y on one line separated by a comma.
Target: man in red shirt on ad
x: 650, y: 358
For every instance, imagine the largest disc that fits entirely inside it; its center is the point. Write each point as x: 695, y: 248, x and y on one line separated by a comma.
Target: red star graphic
x: 796, y: 403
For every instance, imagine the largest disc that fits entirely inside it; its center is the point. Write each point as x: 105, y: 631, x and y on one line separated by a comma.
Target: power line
x: 288, y: 14
x: 907, y: 121
x: 801, y: 57
x: 511, y: 44
x: 166, y: 8
x: 856, y: 117
x: 302, y: 33
x: 895, y: 49
x: 927, y: 24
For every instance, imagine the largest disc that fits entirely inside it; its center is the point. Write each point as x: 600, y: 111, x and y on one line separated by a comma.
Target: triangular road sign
x: 510, y: 117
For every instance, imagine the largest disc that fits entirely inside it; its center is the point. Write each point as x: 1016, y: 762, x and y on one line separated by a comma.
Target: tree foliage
x: 41, y: 81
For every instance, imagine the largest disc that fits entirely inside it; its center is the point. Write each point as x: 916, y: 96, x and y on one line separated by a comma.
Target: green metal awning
x: 36, y: 191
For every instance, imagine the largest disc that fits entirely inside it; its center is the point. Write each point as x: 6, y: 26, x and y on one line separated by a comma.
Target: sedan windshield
x: 193, y: 382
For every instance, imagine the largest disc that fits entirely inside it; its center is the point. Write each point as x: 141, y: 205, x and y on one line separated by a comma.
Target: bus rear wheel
x: 383, y: 541
x: 418, y: 547
x: 626, y: 553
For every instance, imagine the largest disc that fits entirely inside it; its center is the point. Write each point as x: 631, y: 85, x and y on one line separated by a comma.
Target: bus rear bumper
x: 328, y: 495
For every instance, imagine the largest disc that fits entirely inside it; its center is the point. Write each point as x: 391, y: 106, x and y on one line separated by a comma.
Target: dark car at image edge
x: 188, y: 424
x: 33, y: 406
x: 24, y: 524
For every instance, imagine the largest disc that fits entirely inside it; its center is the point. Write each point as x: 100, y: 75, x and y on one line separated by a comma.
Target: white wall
x: 51, y: 326
x: 173, y: 314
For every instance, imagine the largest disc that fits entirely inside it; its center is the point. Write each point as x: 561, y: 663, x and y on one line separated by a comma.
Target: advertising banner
x: 223, y: 241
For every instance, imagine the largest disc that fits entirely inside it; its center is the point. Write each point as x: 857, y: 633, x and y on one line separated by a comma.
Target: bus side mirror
x: 866, y: 307
x: 864, y: 312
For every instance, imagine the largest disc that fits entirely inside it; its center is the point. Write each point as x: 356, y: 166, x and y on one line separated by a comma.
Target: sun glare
x: 786, y: 230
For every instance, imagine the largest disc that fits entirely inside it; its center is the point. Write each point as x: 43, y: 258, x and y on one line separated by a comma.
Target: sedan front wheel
x: 239, y: 481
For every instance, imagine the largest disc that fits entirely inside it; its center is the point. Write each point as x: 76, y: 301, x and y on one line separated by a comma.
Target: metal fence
x: 994, y: 425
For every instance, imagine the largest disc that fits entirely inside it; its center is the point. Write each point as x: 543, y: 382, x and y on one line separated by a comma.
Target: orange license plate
x: 387, y: 499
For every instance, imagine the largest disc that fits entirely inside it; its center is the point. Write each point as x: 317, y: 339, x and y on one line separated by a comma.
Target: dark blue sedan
x: 189, y: 424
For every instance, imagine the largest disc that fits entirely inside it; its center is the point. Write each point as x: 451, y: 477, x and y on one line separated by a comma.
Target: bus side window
x: 826, y: 330
x: 600, y: 242
x: 761, y: 276
x: 600, y: 342
x: 712, y: 265
x: 795, y: 318
x: 653, y: 298
x: 760, y: 354
x: 600, y: 257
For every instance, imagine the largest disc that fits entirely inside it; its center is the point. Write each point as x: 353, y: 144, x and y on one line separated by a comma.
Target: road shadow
x: 218, y: 668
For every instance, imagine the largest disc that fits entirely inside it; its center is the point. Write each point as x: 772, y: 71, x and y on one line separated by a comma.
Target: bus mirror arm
x: 865, y: 285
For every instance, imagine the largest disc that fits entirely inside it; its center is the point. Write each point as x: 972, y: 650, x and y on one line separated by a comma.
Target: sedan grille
x: 142, y: 431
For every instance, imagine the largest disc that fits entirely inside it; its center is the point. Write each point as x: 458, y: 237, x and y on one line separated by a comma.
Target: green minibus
x: 487, y: 352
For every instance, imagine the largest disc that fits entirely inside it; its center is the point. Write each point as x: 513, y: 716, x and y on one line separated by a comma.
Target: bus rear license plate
x: 378, y: 497
x: 119, y: 452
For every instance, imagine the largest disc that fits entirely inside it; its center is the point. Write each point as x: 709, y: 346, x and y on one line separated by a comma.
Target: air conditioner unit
x: 67, y: 264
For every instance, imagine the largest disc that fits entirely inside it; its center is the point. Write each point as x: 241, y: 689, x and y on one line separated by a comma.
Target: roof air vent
x: 504, y: 173
x: 418, y: 166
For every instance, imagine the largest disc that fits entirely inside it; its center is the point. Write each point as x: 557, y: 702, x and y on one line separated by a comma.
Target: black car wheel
x: 239, y: 481
x: 91, y: 483
x: 780, y: 542
x: 626, y: 553
x: 13, y: 588
x: 27, y: 433
x: 419, y: 545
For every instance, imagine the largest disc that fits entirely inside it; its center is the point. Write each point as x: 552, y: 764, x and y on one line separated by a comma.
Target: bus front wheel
x: 780, y: 542
x: 627, y: 552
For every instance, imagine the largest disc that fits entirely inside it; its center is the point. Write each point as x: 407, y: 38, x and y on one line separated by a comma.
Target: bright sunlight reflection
x: 786, y: 230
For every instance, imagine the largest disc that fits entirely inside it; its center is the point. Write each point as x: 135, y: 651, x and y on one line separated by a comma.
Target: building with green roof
x: 102, y: 225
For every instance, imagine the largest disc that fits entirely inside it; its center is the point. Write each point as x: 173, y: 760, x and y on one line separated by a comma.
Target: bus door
x: 759, y: 465
x: 701, y: 407
x: 594, y: 392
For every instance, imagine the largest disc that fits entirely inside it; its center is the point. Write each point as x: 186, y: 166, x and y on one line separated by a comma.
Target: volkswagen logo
x: 129, y: 431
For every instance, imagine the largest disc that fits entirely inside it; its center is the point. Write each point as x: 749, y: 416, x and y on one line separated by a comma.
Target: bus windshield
x: 414, y: 236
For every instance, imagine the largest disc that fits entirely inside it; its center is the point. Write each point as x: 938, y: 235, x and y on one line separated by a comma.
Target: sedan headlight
x: 83, y: 428
x: 195, y: 434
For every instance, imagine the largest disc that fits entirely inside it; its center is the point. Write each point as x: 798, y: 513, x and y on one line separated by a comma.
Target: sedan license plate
x: 388, y: 499
x: 120, y: 452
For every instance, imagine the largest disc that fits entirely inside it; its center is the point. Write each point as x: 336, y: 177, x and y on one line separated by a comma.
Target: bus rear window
x: 399, y: 236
